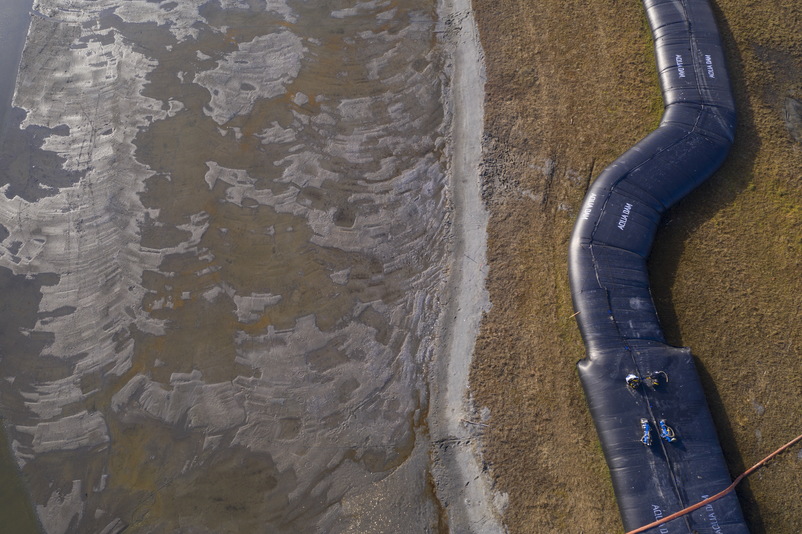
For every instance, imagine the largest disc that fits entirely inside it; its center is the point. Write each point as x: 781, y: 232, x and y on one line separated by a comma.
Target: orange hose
x: 718, y: 495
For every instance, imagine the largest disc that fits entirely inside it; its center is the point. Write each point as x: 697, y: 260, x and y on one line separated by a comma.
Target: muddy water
x: 228, y: 225
x: 16, y: 513
x: 14, y: 21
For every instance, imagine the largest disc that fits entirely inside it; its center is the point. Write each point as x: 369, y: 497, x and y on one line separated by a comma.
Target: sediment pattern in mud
x: 225, y: 229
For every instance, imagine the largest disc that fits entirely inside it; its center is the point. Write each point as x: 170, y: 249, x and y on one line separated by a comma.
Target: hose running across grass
x: 720, y: 494
x: 644, y: 395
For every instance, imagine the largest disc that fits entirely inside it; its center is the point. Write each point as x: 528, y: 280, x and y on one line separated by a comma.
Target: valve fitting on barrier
x: 646, y: 438
x: 652, y: 380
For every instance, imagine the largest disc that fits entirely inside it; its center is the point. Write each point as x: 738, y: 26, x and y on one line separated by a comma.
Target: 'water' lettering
x: 589, y: 208
x: 622, y: 222
x: 709, y: 63
x: 680, y: 67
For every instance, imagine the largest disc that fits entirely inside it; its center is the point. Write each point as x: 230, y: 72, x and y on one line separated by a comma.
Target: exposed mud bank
x: 466, y: 492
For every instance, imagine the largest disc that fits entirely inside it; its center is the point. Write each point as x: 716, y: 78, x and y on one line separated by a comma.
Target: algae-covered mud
x: 225, y: 230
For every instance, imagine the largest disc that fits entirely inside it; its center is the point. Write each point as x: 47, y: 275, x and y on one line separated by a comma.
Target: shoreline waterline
x: 16, y: 510
x: 14, y: 23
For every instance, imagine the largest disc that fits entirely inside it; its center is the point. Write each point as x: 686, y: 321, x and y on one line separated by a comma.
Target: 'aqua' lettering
x: 622, y: 222
x: 711, y: 517
x: 709, y: 63
x: 658, y: 514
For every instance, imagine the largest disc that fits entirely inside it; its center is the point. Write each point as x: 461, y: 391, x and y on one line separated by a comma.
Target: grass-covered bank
x: 571, y: 85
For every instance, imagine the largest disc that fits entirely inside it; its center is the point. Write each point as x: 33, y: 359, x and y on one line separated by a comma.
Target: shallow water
x: 16, y: 514
x: 227, y: 228
x: 14, y: 21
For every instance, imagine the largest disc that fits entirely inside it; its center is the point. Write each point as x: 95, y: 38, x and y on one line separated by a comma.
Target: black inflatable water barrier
x: 645, y: 396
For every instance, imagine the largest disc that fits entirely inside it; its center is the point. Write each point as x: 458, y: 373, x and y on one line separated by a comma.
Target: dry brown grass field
x: 571, y: 85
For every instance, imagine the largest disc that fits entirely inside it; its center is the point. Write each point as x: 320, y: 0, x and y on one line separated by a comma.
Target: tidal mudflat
x: 227, y: 230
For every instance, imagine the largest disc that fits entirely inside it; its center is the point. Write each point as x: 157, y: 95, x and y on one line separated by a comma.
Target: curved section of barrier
x: 645, y: 396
